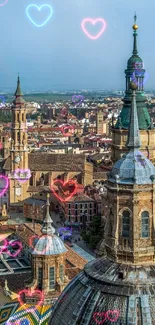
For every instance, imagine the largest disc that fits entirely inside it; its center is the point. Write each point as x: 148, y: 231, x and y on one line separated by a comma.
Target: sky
x: 59, y: 55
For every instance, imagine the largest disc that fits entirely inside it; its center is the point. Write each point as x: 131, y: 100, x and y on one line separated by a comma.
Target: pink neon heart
x: 97, y: 315
x: 93, y: 21
x: 18, y: 250
x: 3, y: 3
x: 112, y: 315
x: 68, y: 127
x: 6, y: 185
x: 22, y: 171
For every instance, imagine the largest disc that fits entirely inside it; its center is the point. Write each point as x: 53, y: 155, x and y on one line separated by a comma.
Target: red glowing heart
x: 67, y: 127
x: 16, y: 243
x: 31, y: 240
x: 63, y: 185
x: 30, y: 293
x: 112, y: 315
x: 101, y: 315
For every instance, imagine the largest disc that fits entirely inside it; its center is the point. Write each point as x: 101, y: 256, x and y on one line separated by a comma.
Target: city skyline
x: 60, y: 56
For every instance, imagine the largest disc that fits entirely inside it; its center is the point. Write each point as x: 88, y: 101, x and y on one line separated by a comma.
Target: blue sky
x: 60, y: 56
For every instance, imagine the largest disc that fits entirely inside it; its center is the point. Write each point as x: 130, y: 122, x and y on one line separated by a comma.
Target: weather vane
x: 135, y: 18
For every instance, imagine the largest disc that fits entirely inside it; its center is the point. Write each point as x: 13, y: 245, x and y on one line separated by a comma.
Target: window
x: 40, y: 277
x: 126, y: 224
x: 51, y: 278
x: 145, y: 224
x: 61, y: 273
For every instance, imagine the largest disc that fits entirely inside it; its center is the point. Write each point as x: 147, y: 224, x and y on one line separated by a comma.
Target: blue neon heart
x: 39, y: 8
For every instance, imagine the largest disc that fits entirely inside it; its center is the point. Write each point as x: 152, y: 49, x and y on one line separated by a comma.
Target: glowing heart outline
x: 100, y: 315
x: 80, y: 97
x: 6, y: 186
x: 30, y: 294
x: 115, y: 312
x: 39, y: 8
x: 18, y: 250
x: 65, y: 127
x: 63, y: 184
x: 35, y: 251
x: 22, y: 172
x: 3, y: 3
x: 93, y: 21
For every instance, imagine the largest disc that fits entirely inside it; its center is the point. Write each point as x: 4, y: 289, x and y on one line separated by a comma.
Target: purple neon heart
x: 22, y: 171
x: 77, y: 99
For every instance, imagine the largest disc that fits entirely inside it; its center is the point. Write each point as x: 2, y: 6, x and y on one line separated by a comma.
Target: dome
x: 49, y: 245
x: 132, y: 168
x: 108, y: 293
x: 134, y: 59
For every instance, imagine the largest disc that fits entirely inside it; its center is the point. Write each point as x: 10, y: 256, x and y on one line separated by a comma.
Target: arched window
x: 145, y: 224
x: 126, y: 224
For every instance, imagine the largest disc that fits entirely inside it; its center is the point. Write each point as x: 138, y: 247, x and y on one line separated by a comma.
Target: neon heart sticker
x: 63, y: 185
x: 6, y: 185
x: 67, y: 127
x: 102, y: 317
x: 30, y: 293
x: 93, y: 21
x: 1, y: 5
x: 77, y: 99
x: 18, y: 174
x: 112, y: 315
x: 39, y: 9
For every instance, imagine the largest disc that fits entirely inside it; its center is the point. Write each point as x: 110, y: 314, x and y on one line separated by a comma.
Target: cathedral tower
x: 19, y: 173
x: 99, y: 121
x: 135, y: 72
x: 130, y: 226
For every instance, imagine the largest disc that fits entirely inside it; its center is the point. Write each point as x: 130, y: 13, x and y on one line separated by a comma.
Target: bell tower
x: 129, y: 234
x: 135, y: 72
x: 19, y: 179
x: 99, y: 121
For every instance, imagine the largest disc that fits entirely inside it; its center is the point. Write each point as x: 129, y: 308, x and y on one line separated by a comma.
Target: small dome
x: 49, y: 245
x: 132, y: 168
x: 134, y: 60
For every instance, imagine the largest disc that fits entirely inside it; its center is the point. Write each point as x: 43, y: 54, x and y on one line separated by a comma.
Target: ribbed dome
x: 49, y: 245
x: 133, y: 168
x: 101, y: 295
x: 133, y: 60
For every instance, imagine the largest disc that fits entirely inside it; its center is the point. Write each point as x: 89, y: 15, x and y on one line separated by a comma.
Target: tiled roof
x: 100, y: 175
x: 15, y: 283
x: 52, y: 162
x: 56, y: 162
x: 80, y: 198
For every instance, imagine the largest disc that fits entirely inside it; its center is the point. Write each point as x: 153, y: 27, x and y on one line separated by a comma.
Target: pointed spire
x: 135, y: 27
x: 133, y: 134
x: 47, y: 228
x: 18, y: 90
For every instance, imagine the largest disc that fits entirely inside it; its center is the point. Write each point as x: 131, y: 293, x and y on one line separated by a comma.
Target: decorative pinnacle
x: 135, y: 18
x: 133, y: 133
x: 47, y: 228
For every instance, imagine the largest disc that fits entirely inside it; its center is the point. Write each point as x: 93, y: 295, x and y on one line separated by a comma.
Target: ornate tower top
x: 133, y: 133
x: 135, y: 26
x: 47, y: 228
x: 18, y: 94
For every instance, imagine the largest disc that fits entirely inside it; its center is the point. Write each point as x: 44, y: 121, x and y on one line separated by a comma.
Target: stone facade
x: 119, y: 140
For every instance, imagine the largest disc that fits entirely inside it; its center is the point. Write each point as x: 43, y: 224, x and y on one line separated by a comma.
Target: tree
x: 93, y: 234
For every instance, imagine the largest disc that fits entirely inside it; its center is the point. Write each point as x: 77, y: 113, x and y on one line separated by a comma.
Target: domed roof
x: 133, y: 168
x: 49, y: 245
x: 134, y: 59
x: 101, y: 295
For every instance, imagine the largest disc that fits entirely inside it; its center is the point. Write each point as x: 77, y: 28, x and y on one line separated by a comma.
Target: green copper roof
x: 144, y: 120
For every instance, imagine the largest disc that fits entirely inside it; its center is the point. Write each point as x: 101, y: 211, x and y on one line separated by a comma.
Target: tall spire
x: 18, y: 90
x: 133, y: 134
x: 135, y: 27
x: 47, y: 228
